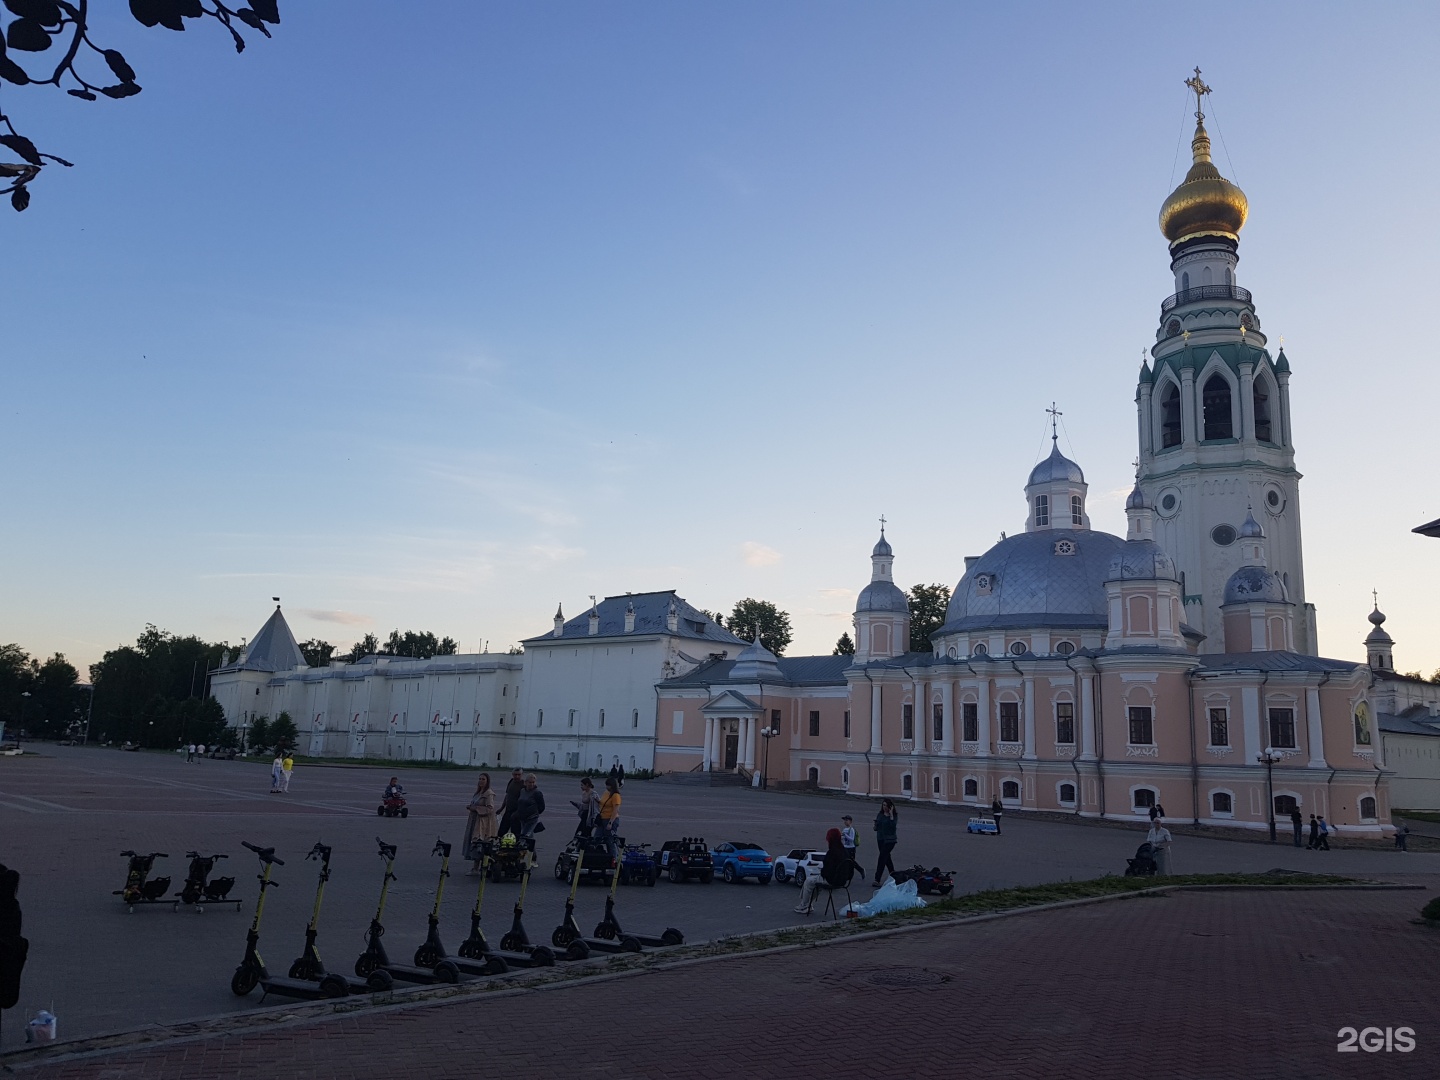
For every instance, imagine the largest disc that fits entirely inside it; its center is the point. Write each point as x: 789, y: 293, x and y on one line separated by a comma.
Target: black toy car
x: 933, y: 880
x: 594, y: 859
x: 686, y: 858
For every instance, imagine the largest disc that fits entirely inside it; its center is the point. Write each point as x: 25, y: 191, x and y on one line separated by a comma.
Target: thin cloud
x: 344, y: 618
x: 757, y: 554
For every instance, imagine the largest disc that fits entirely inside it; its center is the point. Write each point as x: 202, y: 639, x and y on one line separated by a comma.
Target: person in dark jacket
x: 834, y: 872
x: 997, y: 812
x: 13, y: 947
x: 528, y: 807
x: 1314, y: 833
x: 507, y: 804
x: 1298, y: 824
x: 885, y: 838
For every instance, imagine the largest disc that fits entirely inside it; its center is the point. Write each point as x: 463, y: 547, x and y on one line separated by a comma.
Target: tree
x: 421, y: 645
x: 927, y: 613
x: 159, y: 664
x: 259, y: 737
x: 317, y: 653
x: 368, y: 645
x: 844, y: 647
x: 37, y: 25
x: 774, y: 624
x: 55, y: 701
x: 17, y: 676
x: 283, y: 732
x: 714, y: 616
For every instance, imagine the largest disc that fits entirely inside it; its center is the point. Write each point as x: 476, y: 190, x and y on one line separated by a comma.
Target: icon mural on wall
x: 1362, y: 723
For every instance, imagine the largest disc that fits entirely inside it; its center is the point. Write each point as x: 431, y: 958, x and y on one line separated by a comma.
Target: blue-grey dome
x: 1141, y: 560
x: 882, y: 546
x: 1056, y: 467
x: 1048, y: 578
x: 1254, y: 584
x: 1251, y: 528
x: 1136, y: 501
x: 882, y: 596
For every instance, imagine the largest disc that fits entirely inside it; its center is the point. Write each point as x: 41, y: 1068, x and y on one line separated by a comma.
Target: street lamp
x: 24, y: 706
x: 85, y: 739
x: 1268, y: 758
x: 444, y: 722
x: 767, y: 733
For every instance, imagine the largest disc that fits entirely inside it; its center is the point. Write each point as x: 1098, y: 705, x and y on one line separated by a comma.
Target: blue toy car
x: 734, y: 861
x: 982, y: 825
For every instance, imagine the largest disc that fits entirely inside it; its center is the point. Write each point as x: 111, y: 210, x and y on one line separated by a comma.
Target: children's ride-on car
x: 929, y: 881
x: 686, y: 858
x: 594, y: 859
x: 797, y: 864
x: 982, y: 825
x: 741, y: 859
x: 511, y: 854
x: 638, y: 866
x: 393, y: 806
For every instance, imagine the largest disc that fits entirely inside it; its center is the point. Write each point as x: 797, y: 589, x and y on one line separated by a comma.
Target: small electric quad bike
x: 200, y: 888
x: 511, y: 858
x: 392, y: 806
x: 140, y: 887
x: 638, y: 866
x: 929, y: 881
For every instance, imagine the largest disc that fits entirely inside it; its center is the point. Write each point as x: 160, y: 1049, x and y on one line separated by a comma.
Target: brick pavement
x: 1203, y: 985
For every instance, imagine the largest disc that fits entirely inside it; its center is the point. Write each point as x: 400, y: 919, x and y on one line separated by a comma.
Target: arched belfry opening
x: 1264, y: 428
x: 1170, y: 416
x: 1215, y: 400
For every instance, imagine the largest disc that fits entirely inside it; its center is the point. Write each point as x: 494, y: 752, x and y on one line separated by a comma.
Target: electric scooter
x: 567, y: 935
x: 374, y: 958
x: 431, y: 952
x: 138, y: 888
x: 252, y: 971
x: 476, y: 957
x: 199, y: 887
x: 608, y: 928
x: 515, y: 939
x: 308, y: 968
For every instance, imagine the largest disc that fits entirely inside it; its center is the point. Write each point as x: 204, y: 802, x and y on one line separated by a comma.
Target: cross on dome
x: 1055, y: 415
x: 1198, y: 85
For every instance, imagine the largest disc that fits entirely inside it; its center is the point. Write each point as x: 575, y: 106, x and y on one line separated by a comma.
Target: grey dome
x: 1376, y: 617
x: 882, y: 546
x: 1378, y: 637
x: 1141, y: 560
x: 1033, y: 585
x: 1251, y: 528
x: 1056, y: 467
x: 1136, y: 501
x: 1254, y: 584
x: 882, y: 596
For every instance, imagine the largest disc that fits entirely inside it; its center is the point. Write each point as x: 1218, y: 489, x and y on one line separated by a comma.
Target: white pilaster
x: 1250, y: 713
x: 1314, y: 730
x: 983, y: 709
x: 947, y: 712
x: 706, y: 759
x: 875, y: 702
x: 1029, y: 751
x: 1087, y: 718
x: 922, y: 709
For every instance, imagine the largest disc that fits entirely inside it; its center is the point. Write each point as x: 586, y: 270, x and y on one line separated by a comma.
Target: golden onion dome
x: 1205, y: 203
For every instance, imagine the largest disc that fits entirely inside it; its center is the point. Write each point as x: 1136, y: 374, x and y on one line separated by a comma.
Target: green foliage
x: 844, y: 647
x: 317, y: 653
x: 258, y: 737
x: 366, y: 646
x: 283, y: 732
x: 421, y: 645
x: 138, y: 688
x: 927, y: 613
x: 774, y: 624
x: 55, y: 706
x: 228, y: 739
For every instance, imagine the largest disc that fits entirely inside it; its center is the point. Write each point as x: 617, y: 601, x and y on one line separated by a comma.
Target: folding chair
x: 830, y: 890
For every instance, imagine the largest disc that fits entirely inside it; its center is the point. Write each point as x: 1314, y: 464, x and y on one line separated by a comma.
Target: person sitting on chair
x: 835, y: 869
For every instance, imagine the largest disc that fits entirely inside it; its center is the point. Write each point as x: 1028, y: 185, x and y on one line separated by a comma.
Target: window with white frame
x: 634, y: 718
x: 1042, y: 509
x: 1067, y: 794
x: 677, y: 722
x: 845, y: 777
x: 847, y: 725
x: 1010, y: 789
x: 1077, y: 510
x: 1065, y: 723
x: 972, y: 787
x: 1143, y: 798
x: 1222, y: 803
x: 602, y: 717
x: 539, y: 717
x: 970, y: 721
x: 814, y: 774
x: 1009, y: 721
x: 935, y: 784
x: 1367, y: 807
x: 1282, y: 728
x: 1142, y: 725
x: 1219, y: 727
x: 907, y: 782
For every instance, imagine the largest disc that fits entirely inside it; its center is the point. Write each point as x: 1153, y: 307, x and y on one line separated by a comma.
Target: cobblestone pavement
x: 1204, y: 985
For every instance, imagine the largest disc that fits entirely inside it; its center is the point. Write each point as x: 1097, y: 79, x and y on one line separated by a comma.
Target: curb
x: 296, y: 1015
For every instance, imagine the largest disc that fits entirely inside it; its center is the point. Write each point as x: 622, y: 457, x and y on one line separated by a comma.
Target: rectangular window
x: 970, y: 722
x: 1142, y: 726
x: 1064, y: 723
x: 1219, y: 727
x: 775, y: 720
x: 1042, y: 509
x: 847, y: 723
x: 814, y: 722
x: 1077, y: 510
x: 937, y: 722
x: 1282, y: 728
x: 635, y: 718
x: 602, y: 717
x: 1009, y: 721
x: 907, y: 721
x: 572, y: 717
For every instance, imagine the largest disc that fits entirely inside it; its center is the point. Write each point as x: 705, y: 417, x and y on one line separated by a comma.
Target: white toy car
x: 796, y: 864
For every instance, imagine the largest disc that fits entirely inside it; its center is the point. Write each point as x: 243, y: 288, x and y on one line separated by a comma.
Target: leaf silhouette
x: 123, y: 71
x: 22, y: 146
x: 27, y: 35
x: 20, y: 198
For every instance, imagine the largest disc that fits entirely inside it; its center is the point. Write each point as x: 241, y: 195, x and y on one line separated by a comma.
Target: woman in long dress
x: 481, y: 823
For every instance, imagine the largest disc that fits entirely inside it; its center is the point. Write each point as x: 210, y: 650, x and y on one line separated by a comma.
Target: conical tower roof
x: 274, y: 647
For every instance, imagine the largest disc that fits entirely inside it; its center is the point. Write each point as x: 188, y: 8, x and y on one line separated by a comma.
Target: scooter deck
x: 308, y: 991
x: 423, y: 976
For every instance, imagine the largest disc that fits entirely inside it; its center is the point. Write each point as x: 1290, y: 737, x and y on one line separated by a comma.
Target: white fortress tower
x: 1214, y: 409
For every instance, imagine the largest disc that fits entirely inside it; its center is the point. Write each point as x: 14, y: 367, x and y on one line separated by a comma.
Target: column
x: 876, y: 700
x: 1314, y: 729
x: 705, y: 757
x: 922, y: 717
x: 947, y: 708
x: 747, y: 742
x: 1187, y: 408
x: 983, y: 708
x: 1087, y: 718
x: 717, y: 748
x: 1029, y: 752
x: 1283, y: 378
x: 1247, y: 402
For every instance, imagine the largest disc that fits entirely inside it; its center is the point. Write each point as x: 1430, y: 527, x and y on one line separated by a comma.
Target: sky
x: 431, y: 316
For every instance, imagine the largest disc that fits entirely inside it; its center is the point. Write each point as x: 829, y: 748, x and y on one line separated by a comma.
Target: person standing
x: 610, y: 815
x: 277, y: 767
x: 189, y: 753
x: 997, y: 812
x: 480, y: 819
x: 287, y: 766
x: 528, y: 808
x: 1314, y: 834
x: 1324, y: 834
x: 1402, y: 836
x: 13, y: 948
x: 512, y: 796
x: 886, y: 822
x: 589, y: 807
x: 200, y: 750
x: 1159, y: 839
x: 619, y: 774
x: 1298, y: 824
x: 850, y: 843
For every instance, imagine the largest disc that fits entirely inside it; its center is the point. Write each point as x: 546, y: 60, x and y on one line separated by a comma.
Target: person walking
x: 834, y: 872
x: 512, y: 796
x: 610, y: 815
x: 1298, y: 824
x: 1314, y: 834
x: 1402, y: 837
x: 997, y: 812
x: 1159, y: 839
x: 528, y: 808
x: 1324, y: 834
x: 885, y: 838
x: 619, y: 774
x: 589, y: 807
x: 479, y: 820
x: 287, y: 766
x: 850, y: 843
x: 200, y: 750
x: 277, y: 767
x: 189, y: 753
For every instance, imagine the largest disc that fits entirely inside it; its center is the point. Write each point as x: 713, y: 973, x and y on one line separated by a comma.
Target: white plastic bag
x: 889, y: 897
x: 41, y: 1028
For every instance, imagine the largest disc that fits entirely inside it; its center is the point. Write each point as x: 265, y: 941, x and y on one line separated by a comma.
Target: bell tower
x: 1213, y: 407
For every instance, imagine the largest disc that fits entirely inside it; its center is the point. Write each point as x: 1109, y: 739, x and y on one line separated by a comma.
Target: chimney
x: 630, y: 618
x: 672, y: 618
x: 559, y: 620
x: 594, y: 621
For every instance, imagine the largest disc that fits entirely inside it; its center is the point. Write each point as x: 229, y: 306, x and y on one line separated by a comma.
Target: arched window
x: 1010, y: 789
x: 1367, y: 807
x: 972, y: 788
x: 1077, y: 510
x: 1067, y: 793
x: 1185, y: 281
x: 907, y: 783
x: 1285, y: 805
x: 845, y: 777
x: 1205, y: 276
x: 1261, y: 398
x: 814, y: 774
x: 1042, y: 509
x: 1216, y: 401
x: 1229, y: 278
x: 1221, y: 802
x: 935, y: 784
x: 1170, y: 416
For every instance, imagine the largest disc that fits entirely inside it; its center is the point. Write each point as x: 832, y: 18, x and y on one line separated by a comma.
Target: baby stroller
x: 1143, y: 864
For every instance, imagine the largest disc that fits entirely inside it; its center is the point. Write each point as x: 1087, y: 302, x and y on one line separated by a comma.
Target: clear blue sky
x: 432, y: 315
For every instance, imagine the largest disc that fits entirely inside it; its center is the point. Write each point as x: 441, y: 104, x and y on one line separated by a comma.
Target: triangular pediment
x: 731, y: 703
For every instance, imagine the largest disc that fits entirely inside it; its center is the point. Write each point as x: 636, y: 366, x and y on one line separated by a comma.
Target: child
x: 286, y: 768
x: 393, y: 790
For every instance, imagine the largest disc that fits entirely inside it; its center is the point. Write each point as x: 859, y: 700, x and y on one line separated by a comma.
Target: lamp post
x: 767, y: 733
x: 1268, y: 758
x: 24, y: 707
x: 85, y: 739
x: 444, y: 722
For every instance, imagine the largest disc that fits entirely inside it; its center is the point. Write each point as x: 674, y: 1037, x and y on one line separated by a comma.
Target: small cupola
x: 1056, y: 490
x: 1141, y: 518
x: 559, y: 619
x: 1379, y: 646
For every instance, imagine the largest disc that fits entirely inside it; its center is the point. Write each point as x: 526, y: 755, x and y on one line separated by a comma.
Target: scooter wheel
x: 245, y: 979
x: 630, y: 944
x: 404, y: 811
x: 380, y: 982
x: 562, y: 937
x: 671, y: 936
x: 577, y: 950
x: 542, y: 957
x: 426, y: 957
x: 510, y: 942
x: 334, y: 986
x: 496, y: 965
x: 365, y: 965
x: 447, y: 972
x: 605, y: 931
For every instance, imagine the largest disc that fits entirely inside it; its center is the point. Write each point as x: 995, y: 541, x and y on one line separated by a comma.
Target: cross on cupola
x: 1055, y: 415
x: 1197, y: 84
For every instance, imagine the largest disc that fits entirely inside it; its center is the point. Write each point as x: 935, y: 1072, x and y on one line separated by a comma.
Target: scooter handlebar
x: 319, y: 851
x: 441, y: 848
x: 266, y: 854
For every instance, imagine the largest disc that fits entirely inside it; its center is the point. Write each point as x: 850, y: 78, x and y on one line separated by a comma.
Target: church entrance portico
x: 731, y: 737
x: 731, y: 720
